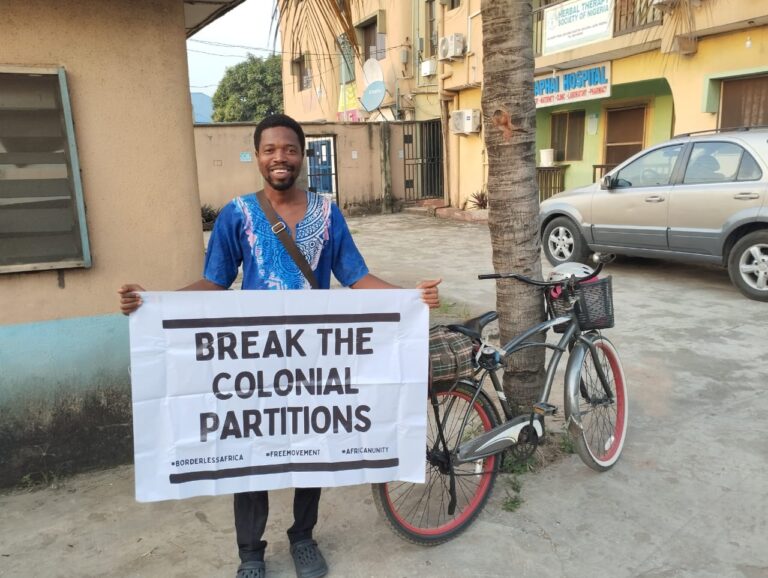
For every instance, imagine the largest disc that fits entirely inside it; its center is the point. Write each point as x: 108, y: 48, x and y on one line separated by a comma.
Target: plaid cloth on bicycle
x: 450, y: 355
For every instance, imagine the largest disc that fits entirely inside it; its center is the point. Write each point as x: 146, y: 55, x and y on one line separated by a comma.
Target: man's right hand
x: 130, y: 300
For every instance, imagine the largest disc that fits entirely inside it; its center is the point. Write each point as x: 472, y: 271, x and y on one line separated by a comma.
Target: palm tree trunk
x: 510, y: 133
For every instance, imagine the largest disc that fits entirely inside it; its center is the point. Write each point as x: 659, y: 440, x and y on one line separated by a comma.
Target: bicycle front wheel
x: 596, y: 413
x: 419, y: 512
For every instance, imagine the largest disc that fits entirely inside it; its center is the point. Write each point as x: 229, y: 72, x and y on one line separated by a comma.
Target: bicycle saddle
x: 472, y: 328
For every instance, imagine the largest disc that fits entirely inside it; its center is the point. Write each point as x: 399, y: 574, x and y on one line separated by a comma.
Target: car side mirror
x: 606, y: 183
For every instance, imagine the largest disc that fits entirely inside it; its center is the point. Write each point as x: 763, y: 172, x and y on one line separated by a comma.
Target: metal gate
x: 321, y: 166
x: 423, y: 160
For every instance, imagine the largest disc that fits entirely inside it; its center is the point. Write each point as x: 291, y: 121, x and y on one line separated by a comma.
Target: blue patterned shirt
x: 242, y: 235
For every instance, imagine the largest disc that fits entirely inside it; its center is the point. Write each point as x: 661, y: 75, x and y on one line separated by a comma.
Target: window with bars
x: 631, y: 15
x: 42, y: 214
x: 568, y: 135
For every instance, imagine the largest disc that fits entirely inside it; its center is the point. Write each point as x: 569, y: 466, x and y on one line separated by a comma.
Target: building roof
x: 200, y: 13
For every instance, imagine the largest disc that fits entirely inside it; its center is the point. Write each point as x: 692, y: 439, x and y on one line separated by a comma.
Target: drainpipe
x: 444, y: 115
x: 386, y: 174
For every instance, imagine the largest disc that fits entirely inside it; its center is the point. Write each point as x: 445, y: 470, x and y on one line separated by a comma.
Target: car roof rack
x: 719, y: 130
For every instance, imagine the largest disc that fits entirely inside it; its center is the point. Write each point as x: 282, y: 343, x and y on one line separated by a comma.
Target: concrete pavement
x: 687, y: 498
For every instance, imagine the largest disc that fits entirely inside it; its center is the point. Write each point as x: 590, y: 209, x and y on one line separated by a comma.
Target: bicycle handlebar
x: 601, y: 260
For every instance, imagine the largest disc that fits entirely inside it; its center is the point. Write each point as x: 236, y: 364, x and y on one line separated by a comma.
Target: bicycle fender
x: 572, y: 377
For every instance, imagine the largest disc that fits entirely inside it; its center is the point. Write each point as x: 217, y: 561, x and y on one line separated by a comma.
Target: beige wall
x: 466, y: 72
x: 222, y: 173
x: 127, y: 74
x: 321, y: 101
x: 358, y: 162
x: 717, y: 55
x: 468, y: 163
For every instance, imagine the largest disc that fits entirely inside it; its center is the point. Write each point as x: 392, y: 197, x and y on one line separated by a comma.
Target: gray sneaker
x: 308, y: 560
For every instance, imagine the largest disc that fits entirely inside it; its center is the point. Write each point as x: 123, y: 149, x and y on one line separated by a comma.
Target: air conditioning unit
x: 451, y: 46
x: 429, y: 67
x: 465, y: 121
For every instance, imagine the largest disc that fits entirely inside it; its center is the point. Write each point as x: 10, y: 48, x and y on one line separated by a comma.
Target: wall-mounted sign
x: 246, y: 157
x: 348, y: 104
x: 566, y: 86
x: 575, y: 23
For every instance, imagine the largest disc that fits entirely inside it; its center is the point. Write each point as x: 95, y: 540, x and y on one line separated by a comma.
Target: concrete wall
x: 64, y: 396
x: 226, y: 164
x: 358, y: 146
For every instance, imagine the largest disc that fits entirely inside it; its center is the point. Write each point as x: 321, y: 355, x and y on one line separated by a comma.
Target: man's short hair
x: 275, y: 120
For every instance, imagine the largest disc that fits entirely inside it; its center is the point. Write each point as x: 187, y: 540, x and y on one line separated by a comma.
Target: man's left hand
x: 429, y: 292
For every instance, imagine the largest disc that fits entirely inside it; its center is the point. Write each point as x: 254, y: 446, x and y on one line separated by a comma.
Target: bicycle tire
x: 597, y: 423
x: 418, y: 513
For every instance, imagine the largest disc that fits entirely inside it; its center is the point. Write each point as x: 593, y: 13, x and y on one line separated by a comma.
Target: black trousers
x: 252, y: 510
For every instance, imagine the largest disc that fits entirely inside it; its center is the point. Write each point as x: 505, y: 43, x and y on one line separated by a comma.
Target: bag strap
x: 280, y: 231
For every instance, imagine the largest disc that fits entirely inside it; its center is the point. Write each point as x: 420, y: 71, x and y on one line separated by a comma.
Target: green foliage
x: 567, y: 445
x: 250, y: 90
x: 513, y: 500
x: 478, y: 200
x: 512, y: 465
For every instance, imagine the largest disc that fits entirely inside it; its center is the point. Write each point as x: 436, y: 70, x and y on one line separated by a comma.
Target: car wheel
x: 748, y: 265
x: 563, y: 242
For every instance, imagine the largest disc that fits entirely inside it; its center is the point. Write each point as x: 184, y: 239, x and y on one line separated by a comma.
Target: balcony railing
x: 551, y: 180
x: 632, y: 15
x: 628, y: 16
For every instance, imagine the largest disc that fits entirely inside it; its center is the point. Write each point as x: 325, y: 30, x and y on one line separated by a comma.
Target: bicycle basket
x: 593, y: 302
x: 450, y: 355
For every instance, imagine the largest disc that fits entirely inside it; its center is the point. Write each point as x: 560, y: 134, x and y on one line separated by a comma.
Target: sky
x: 227, y: 42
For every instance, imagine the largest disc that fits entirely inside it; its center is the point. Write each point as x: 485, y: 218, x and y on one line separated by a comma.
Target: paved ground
x: 688, y: 498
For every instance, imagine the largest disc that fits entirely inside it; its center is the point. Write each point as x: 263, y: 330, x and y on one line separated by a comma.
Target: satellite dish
x: 373, y: 95
x: 372, y: 71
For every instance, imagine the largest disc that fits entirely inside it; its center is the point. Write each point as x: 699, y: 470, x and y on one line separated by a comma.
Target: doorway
x: 624, y: 134
x: 321, y: 166
x: 423, y: 160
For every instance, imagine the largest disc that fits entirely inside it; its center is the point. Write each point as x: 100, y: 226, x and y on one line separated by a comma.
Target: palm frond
x: 317, y: 24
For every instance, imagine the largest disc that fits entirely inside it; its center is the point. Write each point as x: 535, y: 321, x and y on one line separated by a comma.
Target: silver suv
x: 698, y: 197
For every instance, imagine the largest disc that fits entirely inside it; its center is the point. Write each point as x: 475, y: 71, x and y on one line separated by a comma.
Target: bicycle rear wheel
x: 602, y: 415
x: 419, y: 512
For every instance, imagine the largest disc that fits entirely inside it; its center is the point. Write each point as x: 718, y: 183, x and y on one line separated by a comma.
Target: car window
x: 654, y: 168
x: 715, y: 162
x: 749, y: 169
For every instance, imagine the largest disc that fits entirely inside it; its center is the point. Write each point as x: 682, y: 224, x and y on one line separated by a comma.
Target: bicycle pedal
x: 544, y: 408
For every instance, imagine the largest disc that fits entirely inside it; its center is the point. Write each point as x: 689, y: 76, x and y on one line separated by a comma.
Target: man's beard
x: 282, y: 185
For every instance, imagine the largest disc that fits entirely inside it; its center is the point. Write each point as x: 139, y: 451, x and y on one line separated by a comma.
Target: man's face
x: 280, y: 157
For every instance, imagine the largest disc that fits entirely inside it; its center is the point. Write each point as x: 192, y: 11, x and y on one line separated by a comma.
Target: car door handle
x: 746, y: 196
x: 654, y: 199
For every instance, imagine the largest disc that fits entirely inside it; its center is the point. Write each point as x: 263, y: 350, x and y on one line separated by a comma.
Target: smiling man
x: 243, y: 235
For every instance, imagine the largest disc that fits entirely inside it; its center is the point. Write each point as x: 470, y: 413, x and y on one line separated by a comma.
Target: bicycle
x: 466, y: 437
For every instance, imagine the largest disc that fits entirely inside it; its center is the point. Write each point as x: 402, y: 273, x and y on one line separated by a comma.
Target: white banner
x: 255, y: 390
x: 576, y: 23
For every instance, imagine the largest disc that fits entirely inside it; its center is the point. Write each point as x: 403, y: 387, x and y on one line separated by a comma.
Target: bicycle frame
x: 507, y: 434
